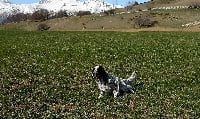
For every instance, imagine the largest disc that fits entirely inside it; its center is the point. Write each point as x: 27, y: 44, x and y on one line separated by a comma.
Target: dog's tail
x: 132, y: 78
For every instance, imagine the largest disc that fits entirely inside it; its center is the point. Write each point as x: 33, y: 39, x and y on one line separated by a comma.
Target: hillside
x: 166, y: 3
x: 174, y: 18
x: 174, y: 2
x: 165, y: 19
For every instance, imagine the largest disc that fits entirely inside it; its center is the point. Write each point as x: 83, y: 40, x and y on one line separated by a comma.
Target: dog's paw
x: 100, y: 96
x: 132, y: 91
x: 116, y: 93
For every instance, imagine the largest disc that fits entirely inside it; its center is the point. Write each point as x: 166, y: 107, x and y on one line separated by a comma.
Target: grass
x: 48, y: 74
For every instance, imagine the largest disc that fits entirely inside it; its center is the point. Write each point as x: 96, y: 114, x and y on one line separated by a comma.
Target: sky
x: 119, y: 2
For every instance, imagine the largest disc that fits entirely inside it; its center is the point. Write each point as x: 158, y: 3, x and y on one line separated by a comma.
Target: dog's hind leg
x: 130, y: 89
x: 132, y: 77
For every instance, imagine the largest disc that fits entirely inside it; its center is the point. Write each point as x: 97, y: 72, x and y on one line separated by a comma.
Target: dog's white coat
x: 114, y: 85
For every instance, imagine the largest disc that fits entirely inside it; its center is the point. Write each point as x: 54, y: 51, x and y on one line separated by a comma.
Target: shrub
x: 43, y: 27
x: 144, y: 21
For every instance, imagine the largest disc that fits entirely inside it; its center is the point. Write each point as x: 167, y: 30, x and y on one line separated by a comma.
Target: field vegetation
x: 48, y: 74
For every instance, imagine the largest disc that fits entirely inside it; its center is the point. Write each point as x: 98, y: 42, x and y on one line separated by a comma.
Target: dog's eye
x: 93, y: 70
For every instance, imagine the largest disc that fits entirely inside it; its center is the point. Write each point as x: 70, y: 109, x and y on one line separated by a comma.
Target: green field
x: 48, y: 74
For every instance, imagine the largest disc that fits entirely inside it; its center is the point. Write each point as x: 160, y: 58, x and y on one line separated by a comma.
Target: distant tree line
x: 131, y: 5
x: 195, y: 4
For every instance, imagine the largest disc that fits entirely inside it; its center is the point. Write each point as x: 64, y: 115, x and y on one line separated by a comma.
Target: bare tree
x: 17, y: 18
x: 131, y: 5
x: 61, y: 14
x: 195, y: 4
x: 110, y: 12
x: 82, y: 13
x: 40, y: 15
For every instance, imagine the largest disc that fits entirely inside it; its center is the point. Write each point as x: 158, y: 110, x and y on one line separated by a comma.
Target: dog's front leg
x: 116, y: 91
x: 100, y: 94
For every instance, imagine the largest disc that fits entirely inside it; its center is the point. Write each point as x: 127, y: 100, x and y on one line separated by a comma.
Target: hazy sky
x: 119, y: 2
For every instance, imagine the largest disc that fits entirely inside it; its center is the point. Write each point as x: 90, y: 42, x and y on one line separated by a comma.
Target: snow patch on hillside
x: 70, y: 6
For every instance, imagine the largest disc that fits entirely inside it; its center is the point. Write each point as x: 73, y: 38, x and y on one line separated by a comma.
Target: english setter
x: 107, y: 83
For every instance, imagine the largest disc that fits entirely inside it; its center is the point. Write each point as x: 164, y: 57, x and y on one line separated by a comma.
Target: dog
x: 107, y: 83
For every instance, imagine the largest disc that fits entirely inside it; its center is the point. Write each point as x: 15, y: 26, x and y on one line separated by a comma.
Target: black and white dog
x: 112, y: 85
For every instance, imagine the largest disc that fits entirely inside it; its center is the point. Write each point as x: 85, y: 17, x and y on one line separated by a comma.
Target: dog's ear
x: 92, y: 69
x: 101, y: 70
x: 104, y: 74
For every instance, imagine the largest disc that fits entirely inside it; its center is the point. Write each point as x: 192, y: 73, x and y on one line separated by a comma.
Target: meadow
x: 48, y: 74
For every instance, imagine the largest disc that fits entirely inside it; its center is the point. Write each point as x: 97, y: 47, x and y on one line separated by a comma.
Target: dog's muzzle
x: 94, y: 73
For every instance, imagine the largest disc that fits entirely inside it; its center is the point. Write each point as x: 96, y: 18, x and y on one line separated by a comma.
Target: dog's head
x: 98, y: 72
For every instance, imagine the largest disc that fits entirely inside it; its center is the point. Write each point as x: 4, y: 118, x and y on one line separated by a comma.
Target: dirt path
x: 190, y: 29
